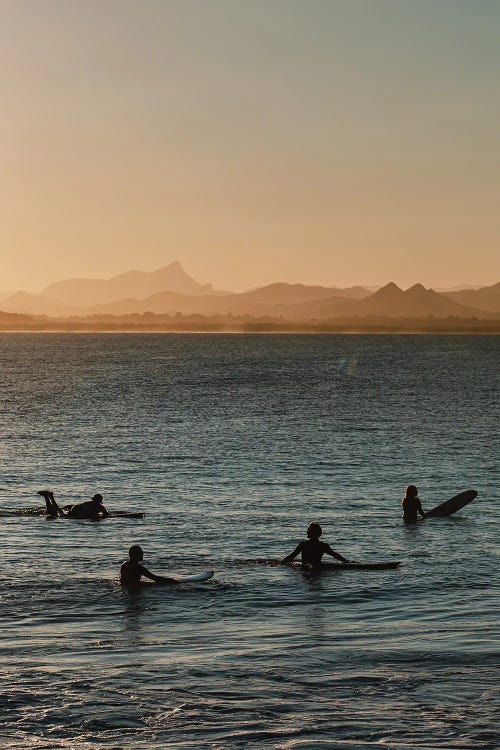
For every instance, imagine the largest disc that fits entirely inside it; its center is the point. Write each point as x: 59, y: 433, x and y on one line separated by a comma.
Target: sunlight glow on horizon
x: 332, y: 143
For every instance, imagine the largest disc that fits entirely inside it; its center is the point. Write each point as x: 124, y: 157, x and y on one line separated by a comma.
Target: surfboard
x: 452, y: 505
x: 38, y: 512
x: 195, y: 578
x: 353, y: 566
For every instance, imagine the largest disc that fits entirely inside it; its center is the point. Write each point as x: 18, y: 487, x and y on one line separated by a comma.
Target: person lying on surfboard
x: 132, y: 571
x: 411, y: 505
x: 92, y: 510
x: 312, y: 550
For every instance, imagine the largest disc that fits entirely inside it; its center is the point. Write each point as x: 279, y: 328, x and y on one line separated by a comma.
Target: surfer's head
x: 411, y: 491
x: 314, y: 531
x: 97, y: 499
x: 135, y: 553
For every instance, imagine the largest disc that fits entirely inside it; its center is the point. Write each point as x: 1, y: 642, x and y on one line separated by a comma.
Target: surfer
x: 92, y: 510
x: 312, y: 550
x: 411, y: 505
x: 132, y: 571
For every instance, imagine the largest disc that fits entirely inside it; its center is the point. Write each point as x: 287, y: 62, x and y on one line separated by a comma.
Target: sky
x: 322, y: 141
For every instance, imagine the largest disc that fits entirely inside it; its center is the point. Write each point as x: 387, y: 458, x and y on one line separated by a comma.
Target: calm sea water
x: 231, y: 445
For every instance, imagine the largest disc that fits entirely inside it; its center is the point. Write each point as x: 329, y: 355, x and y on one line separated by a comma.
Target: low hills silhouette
x: 392, y: 302
x: 170, y: 291
x: 486, y: 298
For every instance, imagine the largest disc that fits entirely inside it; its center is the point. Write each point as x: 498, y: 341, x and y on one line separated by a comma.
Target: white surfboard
x: 196, y: 577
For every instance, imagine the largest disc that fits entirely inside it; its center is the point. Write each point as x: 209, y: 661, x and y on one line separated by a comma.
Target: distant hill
x: 37, y: 304
x: 267, y: 300
x: 412, y: 303
x: 164, y: 303
x: 389, y: 301
x: 458, y: 288
x: 170, y: 290
x: 290, y: 301
x: 138, y: 284
x: 486, y: 298
x: 298, y: 301
x: 282, y: 293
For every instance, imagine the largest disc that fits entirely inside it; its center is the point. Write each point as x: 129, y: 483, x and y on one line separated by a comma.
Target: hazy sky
x: 324, y: 141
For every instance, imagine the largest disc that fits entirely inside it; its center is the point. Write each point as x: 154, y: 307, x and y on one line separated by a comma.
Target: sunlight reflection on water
x: 231, y: 445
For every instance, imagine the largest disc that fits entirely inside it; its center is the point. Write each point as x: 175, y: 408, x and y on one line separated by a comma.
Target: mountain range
x: 170, y: 290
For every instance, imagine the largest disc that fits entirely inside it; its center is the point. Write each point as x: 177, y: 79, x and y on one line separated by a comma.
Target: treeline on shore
x: 149, y: 322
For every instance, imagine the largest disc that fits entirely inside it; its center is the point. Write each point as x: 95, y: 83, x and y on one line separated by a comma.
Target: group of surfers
x: 310, y: 549
x: 94, y: 509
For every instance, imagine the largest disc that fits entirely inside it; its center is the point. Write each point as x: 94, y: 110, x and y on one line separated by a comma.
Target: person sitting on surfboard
x: 411, y: 505
x: 312, y: 550
x: 132, y: 571
x: 92, y: 510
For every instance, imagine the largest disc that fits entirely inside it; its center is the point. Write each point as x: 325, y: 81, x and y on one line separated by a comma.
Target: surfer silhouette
x: 411, y: 505
x: 132, y: 571
x: 312, y: 550
x: 92, y: 510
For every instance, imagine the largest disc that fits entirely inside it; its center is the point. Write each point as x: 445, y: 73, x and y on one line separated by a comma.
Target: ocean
x: 231, y: 445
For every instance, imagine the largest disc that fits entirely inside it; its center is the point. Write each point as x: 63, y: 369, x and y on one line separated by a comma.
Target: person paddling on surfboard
x: 312, y: 550
x: 132, y: 571
x: 92, y: 510
x: 411, y: 505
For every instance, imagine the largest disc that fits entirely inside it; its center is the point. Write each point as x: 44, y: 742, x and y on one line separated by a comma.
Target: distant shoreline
x: 464, y: 327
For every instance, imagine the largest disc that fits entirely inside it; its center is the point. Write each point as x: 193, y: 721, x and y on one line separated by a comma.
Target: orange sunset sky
x: 328, y: 141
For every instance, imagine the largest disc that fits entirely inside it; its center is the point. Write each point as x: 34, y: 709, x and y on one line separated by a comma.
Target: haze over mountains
x: 74, y: 296
x: 170, y: 290
x: 139, y: 284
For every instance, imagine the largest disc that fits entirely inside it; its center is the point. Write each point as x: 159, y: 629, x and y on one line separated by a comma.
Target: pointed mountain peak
x: 138, y: 284
x: 388, y: 291
x: 174, y: 268
x: 416, y: 289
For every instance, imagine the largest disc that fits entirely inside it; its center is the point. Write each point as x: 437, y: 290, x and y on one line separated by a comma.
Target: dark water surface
x: 231, y: 445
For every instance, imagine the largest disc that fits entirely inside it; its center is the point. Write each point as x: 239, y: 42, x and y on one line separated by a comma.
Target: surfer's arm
x: 292, y: 556
x: 336, y: 555
x: 419, y: 509
x: 155, y: 578
x: 104, y: 513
